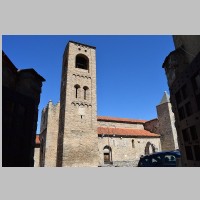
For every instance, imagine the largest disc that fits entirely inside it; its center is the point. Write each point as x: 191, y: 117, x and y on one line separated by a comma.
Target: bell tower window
x: 77, y: 90
x: 82, y: 62
x: 85, y: 88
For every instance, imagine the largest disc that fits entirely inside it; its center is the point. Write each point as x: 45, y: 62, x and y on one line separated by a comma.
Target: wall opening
x: 86, y: 90
x: 133, y: 144
x: 77, y: 88
x: 82, y: 62
x: 150, y: 148
x: 107, y: 152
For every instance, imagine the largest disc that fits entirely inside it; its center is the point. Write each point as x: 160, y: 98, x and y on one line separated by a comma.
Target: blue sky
x: 130, y: 77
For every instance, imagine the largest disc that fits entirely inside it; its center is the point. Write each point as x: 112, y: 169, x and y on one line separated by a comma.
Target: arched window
x: 133, y: 144
x: 150, y: 148
x: 107, y: 152
x: 85, y: 88
x: 82, y: 62
x: 77, y: 90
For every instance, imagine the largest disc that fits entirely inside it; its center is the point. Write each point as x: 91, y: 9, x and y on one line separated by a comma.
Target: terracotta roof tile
x: 116, y: 119
x: 125, y: 132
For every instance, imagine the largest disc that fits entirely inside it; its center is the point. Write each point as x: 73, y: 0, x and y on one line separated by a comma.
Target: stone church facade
x: 72, y: 135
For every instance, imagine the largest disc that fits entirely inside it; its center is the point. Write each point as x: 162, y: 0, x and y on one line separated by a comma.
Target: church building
x: 72, y: 135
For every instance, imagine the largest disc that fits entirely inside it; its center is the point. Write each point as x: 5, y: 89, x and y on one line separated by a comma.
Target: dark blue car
x: 160, y: 159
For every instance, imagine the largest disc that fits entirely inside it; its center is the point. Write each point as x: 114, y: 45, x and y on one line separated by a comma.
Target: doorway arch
x: 107, y: 153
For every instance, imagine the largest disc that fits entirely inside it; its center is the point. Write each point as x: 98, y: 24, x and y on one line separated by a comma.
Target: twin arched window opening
x: 82, y: 62
x: 77, y: 90
x: 85, y: 92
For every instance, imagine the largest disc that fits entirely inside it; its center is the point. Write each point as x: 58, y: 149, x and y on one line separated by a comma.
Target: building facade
x: 122, y: 141
x: 182, y: 67
x: 20, y: 99
x: 72, y: 135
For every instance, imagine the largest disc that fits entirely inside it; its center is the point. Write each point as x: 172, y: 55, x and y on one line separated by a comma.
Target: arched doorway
x: 150, y: 148
x: 107, y: 153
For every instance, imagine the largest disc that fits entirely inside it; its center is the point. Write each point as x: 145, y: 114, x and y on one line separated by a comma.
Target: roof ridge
x: 108, y: 118
x: 126, y: 132
x: 121, y: 128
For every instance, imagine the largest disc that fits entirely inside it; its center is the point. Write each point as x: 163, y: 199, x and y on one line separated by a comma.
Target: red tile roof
x: 37, y: 139
x: 123, y: 120
x: 125, y: 132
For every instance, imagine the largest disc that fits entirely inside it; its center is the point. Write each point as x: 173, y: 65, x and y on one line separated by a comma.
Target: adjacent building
x: 20, y: 99
x: 182, y: 67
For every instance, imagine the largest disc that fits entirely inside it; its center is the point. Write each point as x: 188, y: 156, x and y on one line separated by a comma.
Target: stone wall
x: 167, y: 128
x: 152, y: 126
x: 78, y: 140
x: 50, y: 122
x: 37, y: 157
x: 121, y: 125
x: 190, y: 45
x: 123, y: 149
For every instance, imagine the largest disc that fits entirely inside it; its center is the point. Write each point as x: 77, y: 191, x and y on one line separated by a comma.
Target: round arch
x: 82, y: 62
x: 149, y: 148
x: 107, y: 152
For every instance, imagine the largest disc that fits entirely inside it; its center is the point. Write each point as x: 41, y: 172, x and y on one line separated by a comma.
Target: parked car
x: 160, y: 159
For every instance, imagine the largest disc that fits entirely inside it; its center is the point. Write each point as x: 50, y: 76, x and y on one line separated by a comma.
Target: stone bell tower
x: 77, y: 137
x: 167, y: 127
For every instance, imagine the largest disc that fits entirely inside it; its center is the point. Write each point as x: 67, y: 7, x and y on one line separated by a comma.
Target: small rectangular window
x: 184, y: 92
x: 188, y: 108
x: 198, y: 101
x: 181, y: 113
x: 186, y: 136
x: 189, y: 154
x: 178, y: 97
x: 193, y: 133
x: 196, y: 81
x: 197, y: 152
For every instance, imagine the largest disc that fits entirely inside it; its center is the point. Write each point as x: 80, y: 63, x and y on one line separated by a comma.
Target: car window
x: 144, y: 162
x: 169, y: 160
x: 156, y: 160
x: 159, y: 160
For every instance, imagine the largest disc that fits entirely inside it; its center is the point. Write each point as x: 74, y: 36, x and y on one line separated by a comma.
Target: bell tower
x: 77, y: 137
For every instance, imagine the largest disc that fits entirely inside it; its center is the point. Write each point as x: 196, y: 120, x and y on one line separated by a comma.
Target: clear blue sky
x: 130, y: 77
